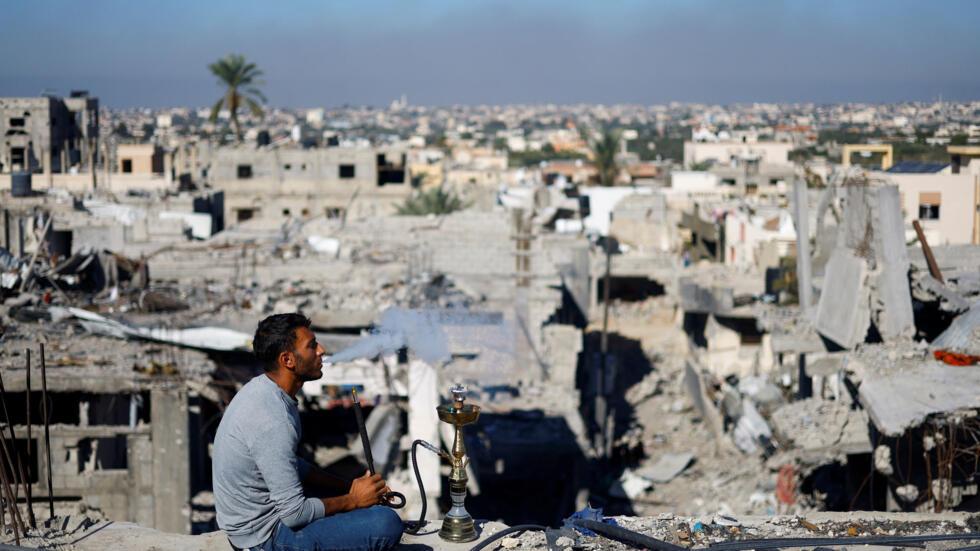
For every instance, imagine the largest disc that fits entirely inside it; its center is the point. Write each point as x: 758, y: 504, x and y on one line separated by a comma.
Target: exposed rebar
x: 15, y: 519
x: 27, y: 384
x: 16, y: 453
x: 47, y: 436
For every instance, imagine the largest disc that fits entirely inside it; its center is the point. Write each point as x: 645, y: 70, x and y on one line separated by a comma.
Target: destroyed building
x: 680, y: 347
x: 49, y: 134
x: 120, y: 416
x: 278, y: 182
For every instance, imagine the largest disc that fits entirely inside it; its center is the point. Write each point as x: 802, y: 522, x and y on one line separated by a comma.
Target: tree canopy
x: 240, y: 80
x: 433, y: 201
x: 605, y: 148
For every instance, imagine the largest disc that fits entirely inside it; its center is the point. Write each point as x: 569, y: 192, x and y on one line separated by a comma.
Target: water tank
x: 20, y: 184
x: 263, y: 138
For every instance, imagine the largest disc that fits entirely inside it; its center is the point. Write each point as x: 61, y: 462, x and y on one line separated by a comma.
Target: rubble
x: 819, y: 529
x: 668, y: 467
x: 823, y: 430
x: 650, y: 352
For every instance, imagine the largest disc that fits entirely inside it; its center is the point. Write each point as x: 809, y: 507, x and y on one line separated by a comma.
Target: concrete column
x: 140, y: 458
x: 90, y: 158
x: 803, y: 269
x: 976, y: 210
x: 168, y: 167
x: 898, y: 322
x: 171, y: 460
x: 805, y: 382
x: 6, y: 231
x: 21, y: 251
x: 423, y: 423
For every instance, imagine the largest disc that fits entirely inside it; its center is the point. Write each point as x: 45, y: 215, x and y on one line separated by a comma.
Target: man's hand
x: 367, y: 490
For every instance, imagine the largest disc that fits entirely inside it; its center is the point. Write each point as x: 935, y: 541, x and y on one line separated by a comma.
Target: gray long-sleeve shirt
x: 257, y: 476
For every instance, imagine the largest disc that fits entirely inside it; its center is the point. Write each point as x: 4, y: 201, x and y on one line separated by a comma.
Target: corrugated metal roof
x: 963, y: 335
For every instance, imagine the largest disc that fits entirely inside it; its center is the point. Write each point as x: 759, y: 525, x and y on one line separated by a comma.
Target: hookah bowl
x: 458, y: 525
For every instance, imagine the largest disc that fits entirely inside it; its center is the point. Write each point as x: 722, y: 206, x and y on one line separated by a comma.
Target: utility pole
x: 603, y: 367
x: 93, y: 152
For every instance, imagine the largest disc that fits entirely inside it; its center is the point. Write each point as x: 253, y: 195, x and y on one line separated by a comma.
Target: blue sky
x: 439, y: 52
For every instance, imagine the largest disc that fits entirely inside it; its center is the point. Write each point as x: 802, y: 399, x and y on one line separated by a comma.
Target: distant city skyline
x: 439, y: 52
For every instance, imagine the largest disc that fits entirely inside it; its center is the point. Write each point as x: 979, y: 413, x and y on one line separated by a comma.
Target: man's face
x: 309, y: 355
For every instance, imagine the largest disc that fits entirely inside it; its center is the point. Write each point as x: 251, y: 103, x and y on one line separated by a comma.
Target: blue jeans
x: 373, y: 529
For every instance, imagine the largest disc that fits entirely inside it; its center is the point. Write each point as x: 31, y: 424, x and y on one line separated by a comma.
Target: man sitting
x: 259, y: 480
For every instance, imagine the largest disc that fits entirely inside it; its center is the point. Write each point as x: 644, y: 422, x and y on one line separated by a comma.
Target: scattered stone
x: 907, y: 493
x: 630, y: 485
x: 668, y: 467
x: 725, y: 520
x: 883, y: 460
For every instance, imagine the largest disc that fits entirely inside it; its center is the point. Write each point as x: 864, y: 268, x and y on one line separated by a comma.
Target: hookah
x: 458, y: 525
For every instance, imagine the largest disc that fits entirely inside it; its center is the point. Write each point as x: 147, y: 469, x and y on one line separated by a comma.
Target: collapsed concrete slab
x: 904, y: 396
x: 822, y: 430
x: 843, y: 315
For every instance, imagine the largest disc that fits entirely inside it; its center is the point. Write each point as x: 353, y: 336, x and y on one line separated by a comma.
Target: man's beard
x: 313, y: 374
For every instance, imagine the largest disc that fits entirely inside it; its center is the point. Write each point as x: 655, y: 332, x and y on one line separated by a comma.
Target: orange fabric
x: 786, y: 485
x: 954, y: 358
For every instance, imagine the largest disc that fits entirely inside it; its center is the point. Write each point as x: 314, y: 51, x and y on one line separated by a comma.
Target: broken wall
x: 866, y: 278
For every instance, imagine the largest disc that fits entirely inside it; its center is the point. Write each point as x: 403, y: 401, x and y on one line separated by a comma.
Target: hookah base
x: 457, y: 529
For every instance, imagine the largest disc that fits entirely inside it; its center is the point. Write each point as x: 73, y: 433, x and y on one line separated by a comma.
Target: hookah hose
x: 415, y: 526
x: 609, y: 531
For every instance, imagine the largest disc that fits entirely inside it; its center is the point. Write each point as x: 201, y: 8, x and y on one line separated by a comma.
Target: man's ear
x: 287, y: 360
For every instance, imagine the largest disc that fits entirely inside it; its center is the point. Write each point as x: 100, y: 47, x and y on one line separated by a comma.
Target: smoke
x: 418, y: 330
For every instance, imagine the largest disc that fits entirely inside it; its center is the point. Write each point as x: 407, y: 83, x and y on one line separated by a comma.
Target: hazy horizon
x: 437, y: 52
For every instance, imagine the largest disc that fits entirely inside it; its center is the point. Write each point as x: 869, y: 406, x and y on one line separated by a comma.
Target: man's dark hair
x: 275, y: 335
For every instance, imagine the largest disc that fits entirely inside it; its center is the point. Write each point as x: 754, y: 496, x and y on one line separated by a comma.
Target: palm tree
x: 241, y: 79
x: 434, y: 201
x: 604, y: 151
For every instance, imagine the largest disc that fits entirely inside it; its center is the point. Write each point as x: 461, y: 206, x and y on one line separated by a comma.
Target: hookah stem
x: 388, y: 498
x: 359, y: 415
